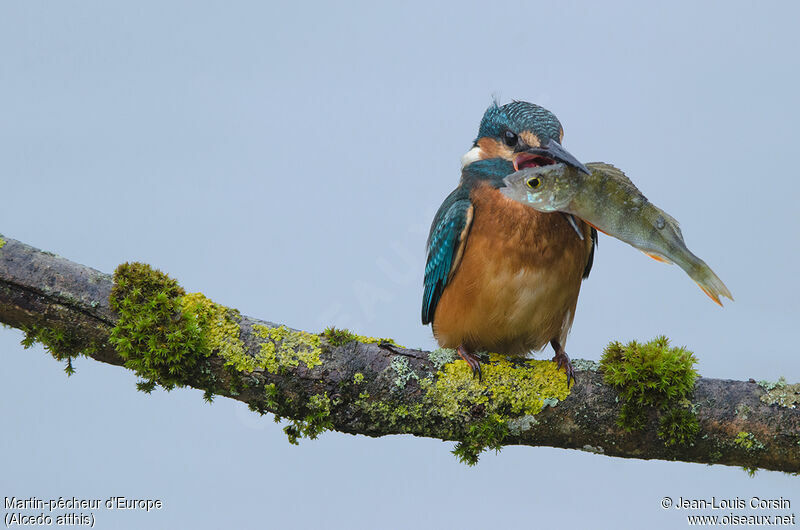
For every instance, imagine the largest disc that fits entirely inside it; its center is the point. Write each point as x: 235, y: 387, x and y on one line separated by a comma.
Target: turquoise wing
x: 445, y: 246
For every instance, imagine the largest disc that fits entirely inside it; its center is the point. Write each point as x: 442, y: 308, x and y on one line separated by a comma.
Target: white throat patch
x: 473, y: 155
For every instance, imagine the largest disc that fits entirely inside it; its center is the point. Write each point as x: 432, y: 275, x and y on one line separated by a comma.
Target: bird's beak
x: 553, y: 151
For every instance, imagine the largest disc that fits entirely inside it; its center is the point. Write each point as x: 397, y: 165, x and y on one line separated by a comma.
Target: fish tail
x: 696, y: 268
x: 709, y: 282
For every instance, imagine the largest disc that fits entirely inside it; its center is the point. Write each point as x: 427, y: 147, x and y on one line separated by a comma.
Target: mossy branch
x: 643, y: 403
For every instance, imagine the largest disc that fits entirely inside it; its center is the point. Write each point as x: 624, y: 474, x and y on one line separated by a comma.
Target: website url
x: 741, y: 520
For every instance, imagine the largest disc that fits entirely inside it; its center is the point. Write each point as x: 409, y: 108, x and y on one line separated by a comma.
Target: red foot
x: 562, y: 361
x: 471, y: 360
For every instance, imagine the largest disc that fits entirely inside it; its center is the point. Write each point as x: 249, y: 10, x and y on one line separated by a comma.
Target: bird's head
x: 525, y: 134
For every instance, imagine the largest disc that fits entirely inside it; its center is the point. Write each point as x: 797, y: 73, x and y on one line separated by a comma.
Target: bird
x: 500, y: 276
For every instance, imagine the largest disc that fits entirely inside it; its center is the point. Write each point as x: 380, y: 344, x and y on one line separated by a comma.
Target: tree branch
x: 359, y: 385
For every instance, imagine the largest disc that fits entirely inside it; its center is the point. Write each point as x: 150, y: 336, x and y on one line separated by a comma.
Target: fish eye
x: 533, y: 183
x: 510, y: 138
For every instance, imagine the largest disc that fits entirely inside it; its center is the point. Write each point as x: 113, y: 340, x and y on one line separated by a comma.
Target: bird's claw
x: 562, y: 361
x: 472, y: 361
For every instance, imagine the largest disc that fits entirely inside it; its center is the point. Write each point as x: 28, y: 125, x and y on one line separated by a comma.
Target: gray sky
x: 288, y: 161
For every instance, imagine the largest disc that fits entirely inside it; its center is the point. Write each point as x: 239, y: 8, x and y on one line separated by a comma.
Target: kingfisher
x: 501, y: 276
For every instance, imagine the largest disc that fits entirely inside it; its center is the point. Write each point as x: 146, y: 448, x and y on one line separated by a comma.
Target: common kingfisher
x: 500, y: 276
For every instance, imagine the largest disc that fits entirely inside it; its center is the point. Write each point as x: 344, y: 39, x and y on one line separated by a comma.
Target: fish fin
x: 598, y: 229
x: 615, y: 172
x: 657, y: 257
x: 710, y: 284
x: 672, y: 222
x: 710, y: 294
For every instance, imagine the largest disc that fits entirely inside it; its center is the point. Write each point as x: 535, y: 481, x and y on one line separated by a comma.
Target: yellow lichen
x: 284, y: 348
x: 480, y: 414
x: 220, y: 327
x: 2, y: 242
x: 376, y: 340
x: 507, y: 388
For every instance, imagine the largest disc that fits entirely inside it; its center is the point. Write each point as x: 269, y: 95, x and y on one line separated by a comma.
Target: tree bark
x: 376, y: 388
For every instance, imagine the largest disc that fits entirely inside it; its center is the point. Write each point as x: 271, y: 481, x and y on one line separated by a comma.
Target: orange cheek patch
x: 530, y: 139
x: 491, y: 148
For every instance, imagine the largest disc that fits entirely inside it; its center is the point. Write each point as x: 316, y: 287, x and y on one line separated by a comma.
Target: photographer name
x: 735, y: 503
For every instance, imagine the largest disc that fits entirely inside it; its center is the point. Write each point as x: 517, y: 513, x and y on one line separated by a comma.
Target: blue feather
x: 519, y: 116
x: 443, y: 242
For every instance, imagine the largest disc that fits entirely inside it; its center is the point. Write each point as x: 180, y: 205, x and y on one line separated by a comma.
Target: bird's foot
x: 471, y: 360
x: 562, y: 361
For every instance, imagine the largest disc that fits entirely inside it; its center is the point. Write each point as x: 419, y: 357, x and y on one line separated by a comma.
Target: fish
x: 607, y: 200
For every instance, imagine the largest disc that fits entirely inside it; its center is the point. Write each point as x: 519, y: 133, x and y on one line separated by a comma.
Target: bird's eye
x: 510, y: 138
x: 533, y: 183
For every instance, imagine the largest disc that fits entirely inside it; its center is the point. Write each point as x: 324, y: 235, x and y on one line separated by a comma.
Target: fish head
x: 545, y: 188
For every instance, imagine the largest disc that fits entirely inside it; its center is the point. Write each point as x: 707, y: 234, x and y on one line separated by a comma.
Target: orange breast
x: 518, y: 282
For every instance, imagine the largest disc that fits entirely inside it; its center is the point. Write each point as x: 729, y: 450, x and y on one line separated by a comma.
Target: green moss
x: 403, y: 370
x: 2, y: 242
x: 308, y: 418
x: 487, y: 434
x: 61, y: 344
x: 166, y: 335
x: 678, y: 426
x: 632, y: 417
x: 284, y: 348
x: 358, y: 378
x: 780, y: 393
x: 748, y: 441
x: 316, y: 420
x: 339, y: 337
x: 272, y: 393
x: 650, y: 373
x: 653, y: 376
x: 158, y: 340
